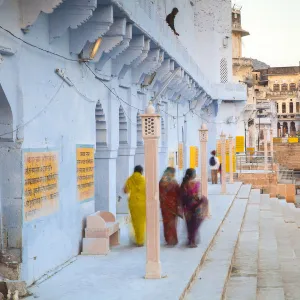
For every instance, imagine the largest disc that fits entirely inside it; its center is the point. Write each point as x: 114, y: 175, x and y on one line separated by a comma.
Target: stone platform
x: 119, y: 275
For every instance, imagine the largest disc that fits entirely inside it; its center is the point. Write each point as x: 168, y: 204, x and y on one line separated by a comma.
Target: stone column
x: 203, y: 134
x: 271, y: 143
x: 223, y: 158
x: 230, y: 158
x: 151, y: 134
x: 266, y: 148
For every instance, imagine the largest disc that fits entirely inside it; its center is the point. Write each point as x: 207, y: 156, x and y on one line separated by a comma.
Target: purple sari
x: 195, y: 208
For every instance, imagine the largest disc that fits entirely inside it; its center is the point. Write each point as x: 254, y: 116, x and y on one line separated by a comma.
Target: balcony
x: 282, y: 93
x: 242, y: 62
x: 230, y: 92
x: 263, y: 105
x: 263, y: 121
x: 146, y: 18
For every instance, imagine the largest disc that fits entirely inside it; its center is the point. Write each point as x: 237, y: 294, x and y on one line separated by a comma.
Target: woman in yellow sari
x: 135, y: 186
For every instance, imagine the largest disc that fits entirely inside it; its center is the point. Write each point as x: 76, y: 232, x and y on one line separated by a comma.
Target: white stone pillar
x: 151, y: 134
x: 203, y: 133
x: 223, y: 158
x: 266, y: 148
x: 230, y: 159
x: 271, y: 143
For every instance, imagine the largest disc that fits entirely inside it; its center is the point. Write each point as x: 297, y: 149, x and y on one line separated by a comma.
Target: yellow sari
x: 136, y: 188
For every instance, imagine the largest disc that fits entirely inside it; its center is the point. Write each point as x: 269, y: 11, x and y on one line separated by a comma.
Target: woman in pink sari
x: 169, y: 203
x: 195, y: 207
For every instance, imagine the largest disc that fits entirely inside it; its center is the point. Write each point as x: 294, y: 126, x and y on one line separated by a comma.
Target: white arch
x: 6, y: 117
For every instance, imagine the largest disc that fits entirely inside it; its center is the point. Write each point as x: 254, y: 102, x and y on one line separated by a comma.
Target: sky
x: 274, y: 28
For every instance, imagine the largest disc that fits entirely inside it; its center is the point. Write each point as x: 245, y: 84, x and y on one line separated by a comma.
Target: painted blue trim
x: 84, y: 146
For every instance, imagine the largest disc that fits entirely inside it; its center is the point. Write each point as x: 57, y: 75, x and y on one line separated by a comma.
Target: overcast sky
x: 274, y: 31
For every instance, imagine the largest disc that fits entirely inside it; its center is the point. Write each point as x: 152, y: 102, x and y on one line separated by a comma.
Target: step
x: 287, y: 213
x: 269, y: 283
x: 214, y: 272
x: 244, y: 191
x: 289, y: 269
x: 296, y: 213
x: 254, y: 196
x: 243, y: 279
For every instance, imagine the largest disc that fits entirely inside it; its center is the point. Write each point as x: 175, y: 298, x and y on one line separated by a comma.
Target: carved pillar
x: 271, y: 143
x: 151, y: 134
x: 266, y: 148
x: 223, y: 158
x: 230, y: 158
x: 203, y: 133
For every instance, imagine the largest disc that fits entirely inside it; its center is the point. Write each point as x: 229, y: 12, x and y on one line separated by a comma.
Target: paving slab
x: 231, y: 189
x: 241, y: 288
x: 270, y: 294
x: 213, y: 276
x: 254, y: 196
x: 119, y: 275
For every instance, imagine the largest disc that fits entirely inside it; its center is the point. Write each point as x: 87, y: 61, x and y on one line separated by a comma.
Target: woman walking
x: 195, y: 207
x: 136, y: 188
x: 170, y: 205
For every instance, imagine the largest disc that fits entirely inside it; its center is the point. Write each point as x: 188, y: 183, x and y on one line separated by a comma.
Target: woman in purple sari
x: 195, y: 207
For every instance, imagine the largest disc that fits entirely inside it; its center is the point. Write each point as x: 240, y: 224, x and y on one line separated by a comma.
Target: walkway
x: 119, y: 275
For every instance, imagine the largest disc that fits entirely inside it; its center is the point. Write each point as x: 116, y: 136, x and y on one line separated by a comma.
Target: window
x: 293, y: 87
x: 284, y: 87
x: 276, y: 87
x: 277, y: 106
x: 283, y: 108
x: 297, y: 107
x: 291, y: 107
x: 256, y: 76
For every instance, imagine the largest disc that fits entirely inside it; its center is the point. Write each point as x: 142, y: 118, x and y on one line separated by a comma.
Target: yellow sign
x: 180, y: 156
x: 277, y: 140
x: 171, y: 160
x: 193, y: 157
x: 293, y: 140
x: 240, y: 144
x: 228, y: 164
x: 218, y: 147
x: 85, y: 172
x: 197, y: 156
x: 41, y: 191
x: 251, y: 150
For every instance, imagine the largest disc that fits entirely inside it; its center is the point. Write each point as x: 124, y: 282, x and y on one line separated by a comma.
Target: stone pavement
x: 119, y: 275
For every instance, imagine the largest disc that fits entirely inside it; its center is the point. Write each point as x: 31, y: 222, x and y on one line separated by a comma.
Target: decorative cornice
x: 161, y: 72
x: 149, y: 65
x: 31, y: 9
x: 70, y: 14
x: 137, y: 61
x: 117, y: 50
x: 134, y: 50
x: 112, y: 38
x: 99, y: 24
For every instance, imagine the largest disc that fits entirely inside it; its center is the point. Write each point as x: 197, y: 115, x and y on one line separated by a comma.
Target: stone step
x: 212, y: 278
x: 244, y: 191
x: 289, y: 268
x: 287, y: 214
x: 243, y: 279
x: 296, y: 213
x: 269, y: 282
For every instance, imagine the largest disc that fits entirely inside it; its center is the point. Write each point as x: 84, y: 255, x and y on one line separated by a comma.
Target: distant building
x: 280, y: 85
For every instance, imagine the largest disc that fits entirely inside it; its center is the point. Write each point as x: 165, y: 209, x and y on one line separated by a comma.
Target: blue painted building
x: 79, y: 72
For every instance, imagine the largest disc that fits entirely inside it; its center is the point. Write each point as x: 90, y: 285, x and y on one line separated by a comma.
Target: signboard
x: 240, y: 144
x: 293, y: 140
x: 194, y: 152
x: 251, y: 151
x: 171, y: 159
x: 228, y: 164
x: 277, y: 140
x: 41, y: 190
x: 180, y: 156
x: 85, y: 172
